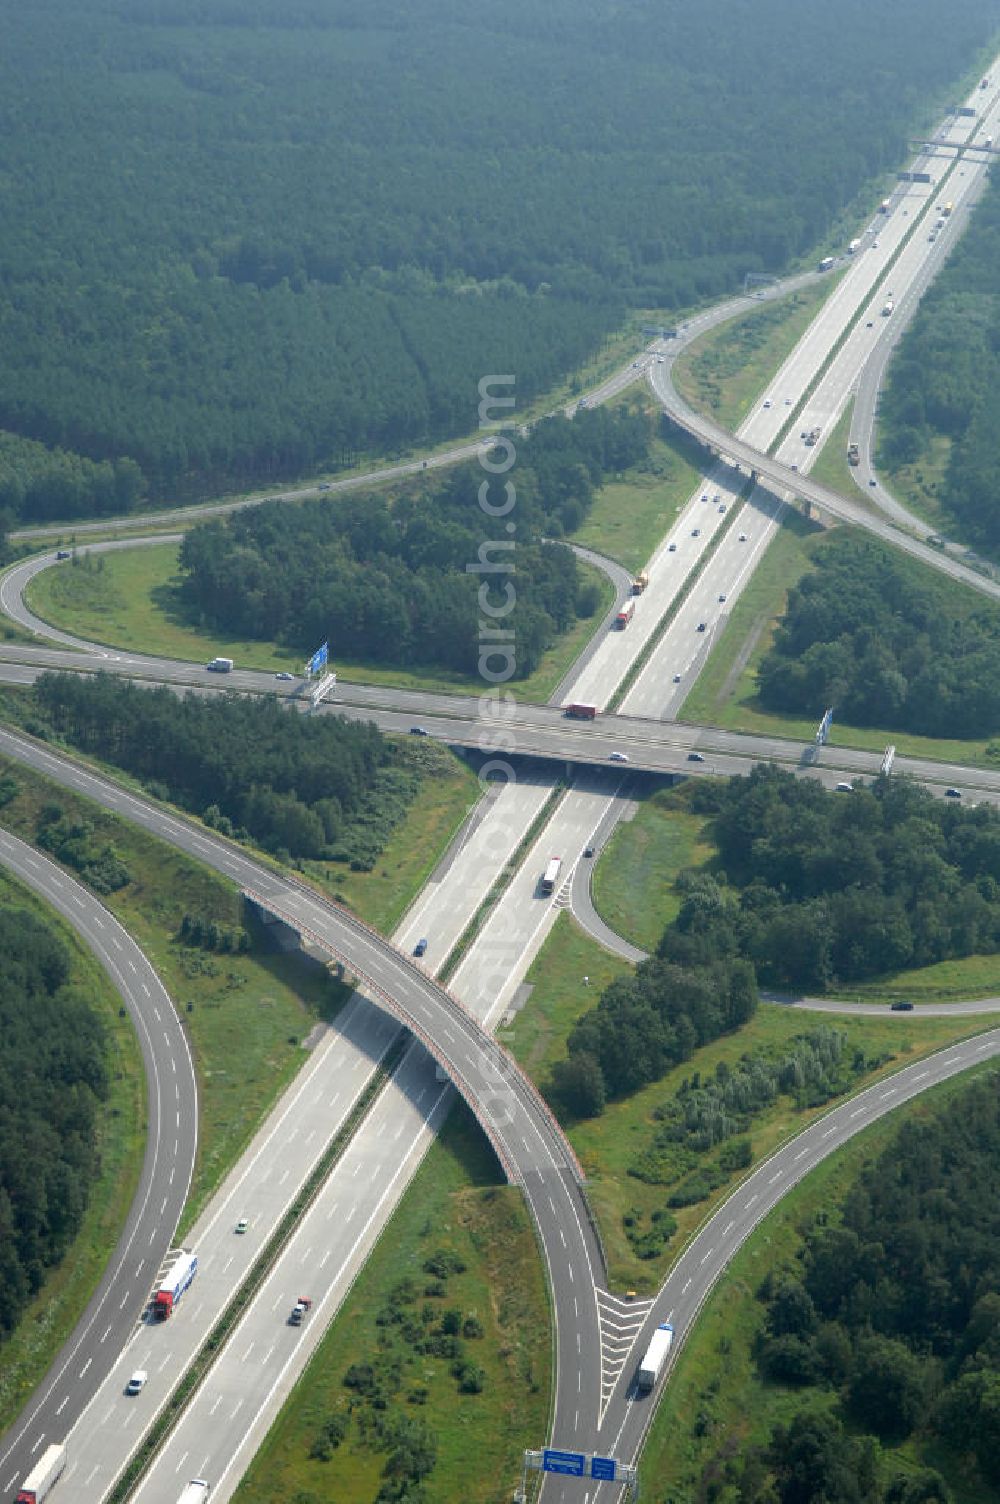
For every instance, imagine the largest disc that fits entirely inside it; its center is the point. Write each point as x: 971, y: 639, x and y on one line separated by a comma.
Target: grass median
x: 438, y: 1365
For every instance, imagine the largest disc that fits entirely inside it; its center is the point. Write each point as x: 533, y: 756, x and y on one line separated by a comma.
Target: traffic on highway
x: 722, y: 533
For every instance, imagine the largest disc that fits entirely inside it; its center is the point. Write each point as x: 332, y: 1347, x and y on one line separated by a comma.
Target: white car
x: 137, y: 1382
x: 767, y: 402
x: 743, y: 537
x: 844, y: 788
x: 241, y: 1225
x: 618, y: 756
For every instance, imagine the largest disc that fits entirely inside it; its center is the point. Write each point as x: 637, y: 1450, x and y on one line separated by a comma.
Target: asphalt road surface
x: 116, y: 1307
x: 554, y: 1230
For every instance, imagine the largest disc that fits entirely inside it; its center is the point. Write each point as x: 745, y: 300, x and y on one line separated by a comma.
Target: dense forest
x: 398, y: 583
x: 810, y: 890
x: 647, y: 1022
x: 299, y: 786
x: 945, y: 380
x: 53, y: 1078
x: 890, y: 1321
x: 246, y: 238
x: 821, y: 888
x: 887, y: 643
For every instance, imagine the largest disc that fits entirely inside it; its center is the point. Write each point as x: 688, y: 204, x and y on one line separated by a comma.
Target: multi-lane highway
x: 116, y: 1306
x: 263, y: 1363
x: 531, y: 1148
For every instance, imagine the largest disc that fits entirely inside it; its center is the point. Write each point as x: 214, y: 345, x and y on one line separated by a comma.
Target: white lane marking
x: 750, y: 1203
x: 687, y: 1286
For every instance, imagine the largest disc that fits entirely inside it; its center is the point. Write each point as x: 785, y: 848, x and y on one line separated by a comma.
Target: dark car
x: 588, y: 851
x: 701, y: 626
x: 953, y: 793
x: 901, y: 1007
x: 420, y: 948
x: 62, y: 553
x: 695, y: 757
x: 419, y: 731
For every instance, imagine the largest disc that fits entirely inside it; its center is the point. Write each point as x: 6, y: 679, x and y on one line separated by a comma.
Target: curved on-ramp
x: 117, y: 1304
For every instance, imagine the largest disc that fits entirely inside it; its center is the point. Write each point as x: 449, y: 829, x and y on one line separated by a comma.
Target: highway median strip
x: 855, y: 318
x: 174, y: 1407
x: 509, y: 870
x: 672, y: 611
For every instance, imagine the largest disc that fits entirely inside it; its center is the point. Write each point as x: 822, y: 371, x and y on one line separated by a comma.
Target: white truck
x: 887, y: 308
x: 853, y: 246
x: 196, y: 1492
x: 43, y: 1476
x: 220, y: 666
x: 657, y: 1352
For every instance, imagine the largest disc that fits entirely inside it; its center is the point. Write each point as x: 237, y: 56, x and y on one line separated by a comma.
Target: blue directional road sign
x: 570, y: 1464
x: 603, y: 1468
x: 319, y: 659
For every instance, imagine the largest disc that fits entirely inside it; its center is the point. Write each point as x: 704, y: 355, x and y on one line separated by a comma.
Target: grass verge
x: 245, y: 1014
x: 715, y: 1400
x: 630, y: 515
x: 633, y: 880
x: 449, y: 791
x: 121, y: 1141
x: 607, y: 1145
x: 725, y: 371
x: 831, y: 467
x: 334, y: 1441
x: 921, y: 484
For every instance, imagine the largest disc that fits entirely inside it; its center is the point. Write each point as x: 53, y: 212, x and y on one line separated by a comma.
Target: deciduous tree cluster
x: 886, y: 643
x: 404, y: 583
x: 294, y: 784
x: 824, y: 887
x: 894, y: 1308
